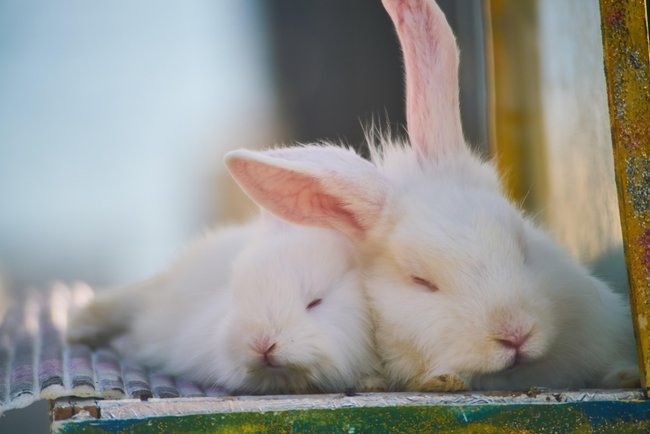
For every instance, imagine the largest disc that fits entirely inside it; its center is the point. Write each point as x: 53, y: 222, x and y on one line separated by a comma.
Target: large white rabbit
x: 267, y: 307
x: 459, y: 280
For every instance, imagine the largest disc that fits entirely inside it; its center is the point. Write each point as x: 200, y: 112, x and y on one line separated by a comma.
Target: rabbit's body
x: 459, y: 280
x: 262, y: 308
x: 142, y: 310
x: 171, y: 327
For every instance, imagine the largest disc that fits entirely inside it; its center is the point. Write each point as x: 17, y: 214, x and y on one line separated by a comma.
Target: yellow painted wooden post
x: 514, y: 99
x: 625, y: 46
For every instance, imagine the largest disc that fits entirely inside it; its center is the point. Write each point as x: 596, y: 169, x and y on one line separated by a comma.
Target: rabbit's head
x: 298, y: 321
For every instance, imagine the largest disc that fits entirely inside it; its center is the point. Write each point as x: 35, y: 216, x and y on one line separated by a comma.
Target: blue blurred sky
x: 113, y: 116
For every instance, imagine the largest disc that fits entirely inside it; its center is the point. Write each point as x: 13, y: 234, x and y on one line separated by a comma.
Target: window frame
x: 627, y: 70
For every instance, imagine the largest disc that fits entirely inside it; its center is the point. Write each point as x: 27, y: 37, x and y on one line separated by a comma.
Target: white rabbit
x: 263, y: 308
x: 460, y: 282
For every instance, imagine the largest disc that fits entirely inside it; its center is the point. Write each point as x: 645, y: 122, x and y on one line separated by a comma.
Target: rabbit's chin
x: 276, y: 380
x: 262, y: 380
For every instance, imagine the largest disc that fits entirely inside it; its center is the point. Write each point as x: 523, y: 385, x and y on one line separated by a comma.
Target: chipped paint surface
x: 586, y: 411
x: 625, y: 45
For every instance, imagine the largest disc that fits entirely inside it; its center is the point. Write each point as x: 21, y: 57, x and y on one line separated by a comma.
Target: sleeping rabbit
x: 262, y: 308
x: 460, y: 281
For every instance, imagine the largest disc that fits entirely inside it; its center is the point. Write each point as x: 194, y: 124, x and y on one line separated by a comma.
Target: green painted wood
x: 593, y: 417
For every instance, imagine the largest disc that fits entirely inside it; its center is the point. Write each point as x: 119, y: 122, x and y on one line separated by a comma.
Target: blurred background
x: 114, y: 118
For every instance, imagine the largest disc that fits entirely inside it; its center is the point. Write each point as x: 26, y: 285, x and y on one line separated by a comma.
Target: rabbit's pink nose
x: 269, y: 350
x: 514, y: 341
x: 266, y: 351
x: 262, y: 343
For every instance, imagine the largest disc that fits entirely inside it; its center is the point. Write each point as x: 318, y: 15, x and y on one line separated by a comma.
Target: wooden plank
x: 610, y: 411
x: 625, y: 46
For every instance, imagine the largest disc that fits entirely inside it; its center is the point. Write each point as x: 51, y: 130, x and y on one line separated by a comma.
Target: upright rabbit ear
x: 315, y: 186
x: 431, y: 68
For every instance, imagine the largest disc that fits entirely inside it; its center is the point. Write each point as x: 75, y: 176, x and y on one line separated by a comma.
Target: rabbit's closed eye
x: 425, y: 283
x: 314, y: 303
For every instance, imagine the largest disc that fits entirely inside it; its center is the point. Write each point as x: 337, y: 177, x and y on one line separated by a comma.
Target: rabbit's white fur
x: 498, y: 276
x: 460, y: 281
x: 235, y: 293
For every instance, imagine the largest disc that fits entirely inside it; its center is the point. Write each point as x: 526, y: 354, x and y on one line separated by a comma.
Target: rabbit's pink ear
x: 431, y: 68
x: 315, y: 186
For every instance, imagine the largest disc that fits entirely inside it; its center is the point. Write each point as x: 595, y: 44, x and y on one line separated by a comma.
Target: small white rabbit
x: 263, y: 308
x: 460, y: 282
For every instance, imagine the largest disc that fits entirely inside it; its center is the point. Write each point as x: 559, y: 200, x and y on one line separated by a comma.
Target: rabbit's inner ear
x: 300, y: 199
x: 431, y: 68
x: 311, y: 194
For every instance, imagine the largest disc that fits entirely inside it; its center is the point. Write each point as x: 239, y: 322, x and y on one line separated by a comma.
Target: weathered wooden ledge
x: 617, y: 411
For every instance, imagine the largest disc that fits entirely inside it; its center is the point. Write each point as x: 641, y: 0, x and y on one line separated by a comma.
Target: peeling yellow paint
x: 627, y: 66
